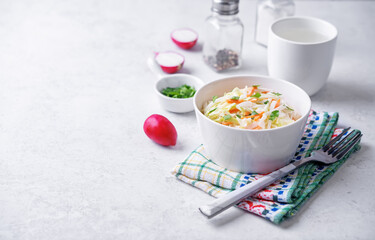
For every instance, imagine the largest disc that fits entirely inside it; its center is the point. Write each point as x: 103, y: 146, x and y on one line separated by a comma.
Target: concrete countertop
x: 75, y: 91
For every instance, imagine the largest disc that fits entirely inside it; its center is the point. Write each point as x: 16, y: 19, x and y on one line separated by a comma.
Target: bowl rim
x: 197, y: 110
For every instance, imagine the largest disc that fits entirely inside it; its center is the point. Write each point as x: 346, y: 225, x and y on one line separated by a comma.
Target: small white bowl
x: 252, y: 151
x: 177, y: 105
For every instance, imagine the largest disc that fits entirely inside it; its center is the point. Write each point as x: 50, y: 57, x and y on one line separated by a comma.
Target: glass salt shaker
x: 267, y: 12
x: 223, y: 36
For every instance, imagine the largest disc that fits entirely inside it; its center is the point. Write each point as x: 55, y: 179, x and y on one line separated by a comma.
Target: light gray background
x: 75, y: 90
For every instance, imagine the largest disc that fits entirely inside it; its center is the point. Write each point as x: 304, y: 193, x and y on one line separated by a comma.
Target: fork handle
x: 226, y: 201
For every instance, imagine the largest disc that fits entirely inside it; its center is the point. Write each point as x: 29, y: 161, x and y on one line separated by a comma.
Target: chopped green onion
x: 256, y: 86
x: 276, y: 93
x: 184, y: 91
x: 266, y: 102
x: 214, y: 98
x: 239, y: 116
x: 227, y: 117
x: 291, y: 109
x: 254, y: 113
x: 274, y: 115
x: 235, y: 98
x: 256, y: 95
x: 212, y: 110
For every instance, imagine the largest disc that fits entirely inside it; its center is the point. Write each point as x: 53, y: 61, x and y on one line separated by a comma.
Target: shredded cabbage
x: 250, y: 108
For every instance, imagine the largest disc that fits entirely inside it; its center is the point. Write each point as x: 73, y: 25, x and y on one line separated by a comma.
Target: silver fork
x: 335, y: 150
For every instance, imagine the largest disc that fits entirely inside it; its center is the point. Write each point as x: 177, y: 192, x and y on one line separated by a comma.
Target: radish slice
x: 170, y: 62
x: 184, y: 38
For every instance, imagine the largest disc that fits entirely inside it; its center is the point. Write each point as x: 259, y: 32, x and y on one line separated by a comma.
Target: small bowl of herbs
x: 184, y: 91
x: 176, y: 92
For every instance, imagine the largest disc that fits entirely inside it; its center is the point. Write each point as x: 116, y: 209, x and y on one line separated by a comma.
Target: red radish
x: 170, y: 62
x: 159, y: 129
x: 184, y: 38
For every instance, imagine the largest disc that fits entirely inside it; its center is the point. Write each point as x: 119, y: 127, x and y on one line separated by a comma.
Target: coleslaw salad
x: 252, y: 108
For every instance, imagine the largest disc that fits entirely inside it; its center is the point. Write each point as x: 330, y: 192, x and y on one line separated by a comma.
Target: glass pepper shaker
x: 223, y: 36
x: 267, y: 12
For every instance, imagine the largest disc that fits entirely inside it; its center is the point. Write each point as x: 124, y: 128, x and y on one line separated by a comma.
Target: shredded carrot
x: 234, y: 110
x: 277, y: 103
x: 234, y: 101
x: 252, y: 91
x: 265, y: 92
x: 226, y: 123
x: 257, y: 117
x: 258, y: 127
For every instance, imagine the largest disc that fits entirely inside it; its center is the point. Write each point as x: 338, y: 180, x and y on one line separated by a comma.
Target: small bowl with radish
x: 168, y: 87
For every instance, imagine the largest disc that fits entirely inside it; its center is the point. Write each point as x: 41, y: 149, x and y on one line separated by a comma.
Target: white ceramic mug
x: 301, y: 51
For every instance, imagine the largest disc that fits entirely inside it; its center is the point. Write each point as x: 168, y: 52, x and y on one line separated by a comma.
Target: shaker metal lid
x: 225, y: 7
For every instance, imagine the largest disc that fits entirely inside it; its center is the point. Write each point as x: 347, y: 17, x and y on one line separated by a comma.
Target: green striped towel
x: 282, y: 199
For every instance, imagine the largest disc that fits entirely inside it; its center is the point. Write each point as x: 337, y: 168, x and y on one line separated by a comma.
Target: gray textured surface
x: 75, y: 90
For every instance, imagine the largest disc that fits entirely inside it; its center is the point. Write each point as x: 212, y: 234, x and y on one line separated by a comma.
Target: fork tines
x: 349, y: 145
x: 333, y: 141
x: 339, y: 146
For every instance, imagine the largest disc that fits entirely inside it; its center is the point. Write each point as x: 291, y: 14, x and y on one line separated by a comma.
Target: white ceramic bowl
x: 178, y: 105
x: 252, y: 151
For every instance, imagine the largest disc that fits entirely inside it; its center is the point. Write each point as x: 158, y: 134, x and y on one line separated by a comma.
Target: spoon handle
x: 155, y: 69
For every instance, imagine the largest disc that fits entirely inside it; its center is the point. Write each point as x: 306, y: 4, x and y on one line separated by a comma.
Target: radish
x: 184, y: 38
x: 170, y: 62
x: 159, y: 129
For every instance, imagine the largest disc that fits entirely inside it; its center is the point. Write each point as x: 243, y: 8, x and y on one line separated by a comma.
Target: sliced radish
x: 170, y: 62
x: 184, y: 38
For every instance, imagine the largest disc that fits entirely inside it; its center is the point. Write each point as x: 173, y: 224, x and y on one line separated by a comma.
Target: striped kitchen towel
x: 282, y: 199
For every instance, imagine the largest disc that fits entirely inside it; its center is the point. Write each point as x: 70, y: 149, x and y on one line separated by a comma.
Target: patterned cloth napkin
x: 282, y: 199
